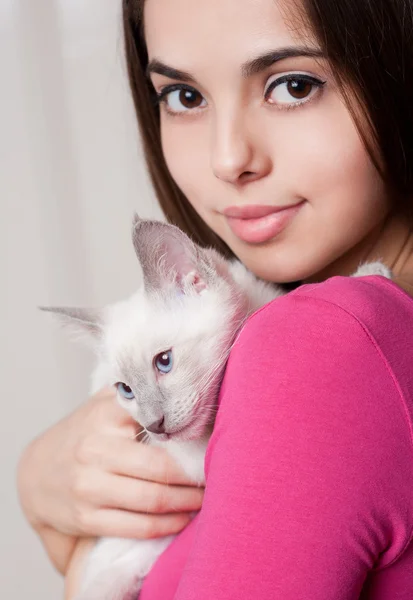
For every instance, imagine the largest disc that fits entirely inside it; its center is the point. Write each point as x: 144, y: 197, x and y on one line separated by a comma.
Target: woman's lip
x: 253, y: 211
x: 262, y: 228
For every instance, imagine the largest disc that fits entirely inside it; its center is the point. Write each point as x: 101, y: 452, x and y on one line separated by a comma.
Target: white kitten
x: 165, y: 349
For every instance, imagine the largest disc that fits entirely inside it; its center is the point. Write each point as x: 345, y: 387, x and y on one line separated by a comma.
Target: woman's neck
x: 391, y: 243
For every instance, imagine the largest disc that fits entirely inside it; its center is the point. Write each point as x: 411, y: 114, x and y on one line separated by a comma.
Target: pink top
x: 310, y: 467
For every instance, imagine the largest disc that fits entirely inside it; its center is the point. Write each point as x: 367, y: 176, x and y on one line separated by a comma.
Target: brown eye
x: 179, y: 99
x: 299, y: 89
x: 190, y: 98
x: 290, y: 90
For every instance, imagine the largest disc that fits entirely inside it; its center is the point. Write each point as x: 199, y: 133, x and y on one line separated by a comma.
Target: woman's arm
x: 59, y: 547
x: 76, y: 565
x: 309, y: 470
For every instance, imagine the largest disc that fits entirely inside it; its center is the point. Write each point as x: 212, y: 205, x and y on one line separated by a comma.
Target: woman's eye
x: 180, y: 99
x: 292, y: 90
x: 125, y: 391
x: 163, y: 362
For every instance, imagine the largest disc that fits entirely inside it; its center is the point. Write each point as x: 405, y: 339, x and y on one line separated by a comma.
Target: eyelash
x: 161, y: 97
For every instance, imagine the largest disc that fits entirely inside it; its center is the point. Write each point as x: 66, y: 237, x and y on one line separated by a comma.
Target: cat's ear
x: 168, y: 256
x: 85, y: 322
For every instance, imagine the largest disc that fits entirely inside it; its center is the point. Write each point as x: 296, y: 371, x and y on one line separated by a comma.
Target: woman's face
x: 256, y: 135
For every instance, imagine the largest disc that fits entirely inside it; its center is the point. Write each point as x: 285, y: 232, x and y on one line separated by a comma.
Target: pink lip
x: 258, y: 224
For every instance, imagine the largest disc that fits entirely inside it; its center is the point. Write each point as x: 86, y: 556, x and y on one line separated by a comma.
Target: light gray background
x: 71, y: 175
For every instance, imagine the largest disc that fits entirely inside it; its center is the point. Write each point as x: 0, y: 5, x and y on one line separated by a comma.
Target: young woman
x: 280, y: 132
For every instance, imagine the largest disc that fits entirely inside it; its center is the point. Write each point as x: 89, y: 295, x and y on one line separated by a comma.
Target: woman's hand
x: 88, y: 476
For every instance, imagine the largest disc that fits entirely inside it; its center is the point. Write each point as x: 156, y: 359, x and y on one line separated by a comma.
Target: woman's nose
x: 235, y: 156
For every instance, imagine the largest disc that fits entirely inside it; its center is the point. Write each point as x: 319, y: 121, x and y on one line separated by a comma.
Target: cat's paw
x: 373, y: 268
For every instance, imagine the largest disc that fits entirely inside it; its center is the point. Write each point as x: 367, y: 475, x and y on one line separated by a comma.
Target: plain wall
x: 71, y: 175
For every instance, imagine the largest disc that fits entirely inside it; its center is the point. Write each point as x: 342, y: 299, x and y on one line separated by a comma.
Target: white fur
x: 373, y: 268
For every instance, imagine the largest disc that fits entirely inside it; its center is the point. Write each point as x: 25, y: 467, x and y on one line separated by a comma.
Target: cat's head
x: 165, y: 348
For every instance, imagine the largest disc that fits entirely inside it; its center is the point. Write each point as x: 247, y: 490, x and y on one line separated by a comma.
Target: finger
x: 118, y: 523
x: 128, y: 493
x: 115, y: 418
x: 127, y: 457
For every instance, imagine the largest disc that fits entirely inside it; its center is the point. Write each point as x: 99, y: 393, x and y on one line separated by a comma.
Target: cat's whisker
x: 147, y: 437
x: 208, y: 409
x: 220, y: 363
x: 143, y: 432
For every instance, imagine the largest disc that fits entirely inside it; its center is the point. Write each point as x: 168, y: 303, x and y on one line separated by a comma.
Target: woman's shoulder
x: 344, y: 329
x: 376, y: 303
x: 343, y: 310
x: 368, y: 298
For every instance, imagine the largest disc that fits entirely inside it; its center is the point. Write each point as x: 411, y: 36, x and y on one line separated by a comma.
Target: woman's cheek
x: 331, y: 158
x: 183, y: 145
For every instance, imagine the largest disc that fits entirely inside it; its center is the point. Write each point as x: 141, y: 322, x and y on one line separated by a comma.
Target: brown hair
x: 369, y: 45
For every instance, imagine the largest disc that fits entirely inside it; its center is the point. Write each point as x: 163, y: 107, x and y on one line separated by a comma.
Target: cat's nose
x: 157, y: 426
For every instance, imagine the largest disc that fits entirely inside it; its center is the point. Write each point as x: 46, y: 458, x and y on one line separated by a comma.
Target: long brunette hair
x: 369, y: 45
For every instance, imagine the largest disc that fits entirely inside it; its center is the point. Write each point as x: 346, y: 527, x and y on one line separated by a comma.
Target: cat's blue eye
x: 163, y: 362
x: 125, y: 391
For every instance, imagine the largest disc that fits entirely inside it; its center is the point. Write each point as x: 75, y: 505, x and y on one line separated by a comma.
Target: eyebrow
x: 248, y: 69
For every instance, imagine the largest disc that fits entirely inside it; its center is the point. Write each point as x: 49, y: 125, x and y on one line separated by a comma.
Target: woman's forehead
x: 188, y: 34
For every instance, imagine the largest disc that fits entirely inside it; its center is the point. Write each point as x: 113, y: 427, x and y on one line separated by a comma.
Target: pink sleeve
x: 309, y: 470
